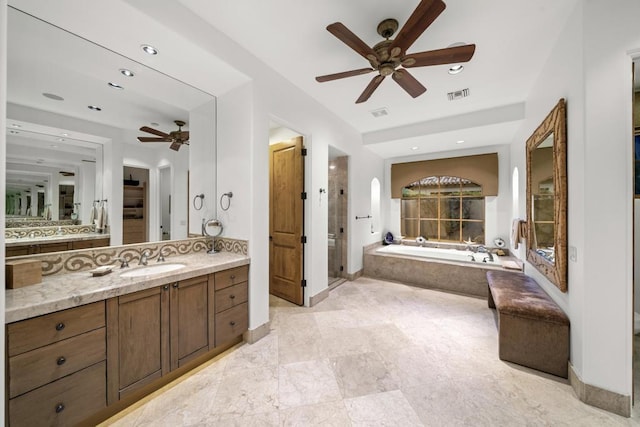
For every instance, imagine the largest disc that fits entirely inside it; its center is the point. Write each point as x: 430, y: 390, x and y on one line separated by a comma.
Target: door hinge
x: 303, y: 283
x: 303, y: 195
x: 303, y: 239
x: 341, y: 191
x: 341, y: 229
x: 303, y: 152
x: 342, y: 268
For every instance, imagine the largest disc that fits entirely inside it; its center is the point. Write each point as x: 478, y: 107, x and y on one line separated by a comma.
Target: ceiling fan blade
x: 409, y: 83
x: 354, y: 42
x: 371, y: 87
x: 449, y: 55
x: 151, y: 139
x: 175, y: 145
x: 344, y: 74
x: 154, y: 131
x: 424, y: 15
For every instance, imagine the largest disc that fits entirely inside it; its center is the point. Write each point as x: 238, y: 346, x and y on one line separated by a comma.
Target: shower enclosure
x: 337, y: 238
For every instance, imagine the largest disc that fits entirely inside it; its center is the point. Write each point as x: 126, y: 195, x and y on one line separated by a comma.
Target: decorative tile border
x: 22, y: 232
x: 20, y: 223
x: 87, y: 259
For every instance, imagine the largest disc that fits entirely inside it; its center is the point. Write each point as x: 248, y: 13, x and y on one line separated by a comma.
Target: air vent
x: 380, y: 112
x: 458, y: 94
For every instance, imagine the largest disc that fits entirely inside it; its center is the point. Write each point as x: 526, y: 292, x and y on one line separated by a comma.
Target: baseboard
x: 600, y: 398
x: 255, y: 335
x: 353, y: 276
x: 317, y: 298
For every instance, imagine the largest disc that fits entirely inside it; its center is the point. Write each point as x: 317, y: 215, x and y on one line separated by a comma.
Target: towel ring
x: 228, y: 195
x: 195, y: 201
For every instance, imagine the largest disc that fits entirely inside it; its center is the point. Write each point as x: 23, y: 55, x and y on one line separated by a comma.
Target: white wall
x: 202, y: 165
x: 590, y: 66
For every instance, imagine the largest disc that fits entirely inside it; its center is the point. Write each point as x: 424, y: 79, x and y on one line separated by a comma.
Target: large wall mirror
x: 547, y: 197
x: 73, y: 118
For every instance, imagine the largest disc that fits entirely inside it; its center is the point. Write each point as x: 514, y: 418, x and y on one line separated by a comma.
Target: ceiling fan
x: 177, y: 138
x: 389, y: 57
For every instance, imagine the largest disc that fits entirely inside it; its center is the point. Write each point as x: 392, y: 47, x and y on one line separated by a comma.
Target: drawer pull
x: 59, y: 408
x: 165, y: 287
x: 175, y: 285
x: 232, y: 296
x: 61, y: 360
x: 60, y: 326
x: 232, y: 323
x: 232, y: 277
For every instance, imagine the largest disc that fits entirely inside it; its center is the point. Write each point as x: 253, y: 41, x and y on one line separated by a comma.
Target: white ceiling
x: 513, y: 39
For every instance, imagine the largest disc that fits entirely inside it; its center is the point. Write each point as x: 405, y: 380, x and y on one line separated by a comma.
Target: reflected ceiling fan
x: 389, y: 57
x: 177, y: 138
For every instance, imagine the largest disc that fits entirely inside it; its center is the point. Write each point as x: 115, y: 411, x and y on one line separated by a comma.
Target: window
x: 443, y: 208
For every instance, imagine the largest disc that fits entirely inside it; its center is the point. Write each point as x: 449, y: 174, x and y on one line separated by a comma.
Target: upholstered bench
x: 533, y: 330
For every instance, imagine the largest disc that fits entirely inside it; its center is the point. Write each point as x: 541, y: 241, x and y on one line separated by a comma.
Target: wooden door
x: 286, y: 220
x: 137, y: 340
x: 190, y: 303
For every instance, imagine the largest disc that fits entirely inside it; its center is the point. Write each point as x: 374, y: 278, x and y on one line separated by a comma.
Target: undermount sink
x: 152, y: 269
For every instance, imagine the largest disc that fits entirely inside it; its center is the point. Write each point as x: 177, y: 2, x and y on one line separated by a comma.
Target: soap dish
x: 101, y: 271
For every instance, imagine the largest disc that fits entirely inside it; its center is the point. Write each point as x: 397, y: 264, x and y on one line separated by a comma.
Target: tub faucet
x: 485, y: 250
x: 472, y: 257
x: 144, y: 258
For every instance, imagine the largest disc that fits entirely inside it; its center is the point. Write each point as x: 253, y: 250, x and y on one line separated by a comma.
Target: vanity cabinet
x: 155, y: 331
x: 57, y: 367
x: 231, y: 306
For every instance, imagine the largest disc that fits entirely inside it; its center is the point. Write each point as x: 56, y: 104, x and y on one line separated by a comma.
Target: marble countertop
x: 54, y: 239
x: 59, y: 292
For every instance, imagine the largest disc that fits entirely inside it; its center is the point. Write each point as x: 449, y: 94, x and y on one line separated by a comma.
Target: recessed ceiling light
x: 154, y: 124
x: 64, y: 134
x: 455, y: 69
x: 380, y: 112
x: 460, y: 141
x: 126, y: 72
x: 53, y: 96
x: 40, y: 161
x: 414, y: 148
x: 15, y: 125
x: 60, y: 139
x: 115, y: 85
x: 53, y: 146
x: 149, y: 49
x: 94, y: 108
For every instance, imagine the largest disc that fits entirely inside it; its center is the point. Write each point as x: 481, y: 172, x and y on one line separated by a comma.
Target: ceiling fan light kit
x: 177, y: 138
x: 389, y: 57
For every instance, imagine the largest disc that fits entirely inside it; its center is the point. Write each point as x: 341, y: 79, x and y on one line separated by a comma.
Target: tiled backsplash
x: 21, y: 223
x: 87, y: 259
x: 22, y: 232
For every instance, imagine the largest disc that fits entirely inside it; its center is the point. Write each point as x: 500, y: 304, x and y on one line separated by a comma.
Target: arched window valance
x: 481, y: 169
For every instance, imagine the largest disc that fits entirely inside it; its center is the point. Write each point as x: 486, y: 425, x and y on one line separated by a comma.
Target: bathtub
x: 450, y: 270
x: 441, y: 254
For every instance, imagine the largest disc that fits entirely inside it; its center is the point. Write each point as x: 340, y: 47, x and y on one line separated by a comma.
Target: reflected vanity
x: 547, y: 197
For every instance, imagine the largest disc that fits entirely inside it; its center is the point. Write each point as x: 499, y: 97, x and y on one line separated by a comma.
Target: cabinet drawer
x: 45, y: 364
x: 37, y: 332
x: 54, y: 247
x: 231, y: 296
x: 232, y: 276
x: 231, y: 323
x: 65, y: 402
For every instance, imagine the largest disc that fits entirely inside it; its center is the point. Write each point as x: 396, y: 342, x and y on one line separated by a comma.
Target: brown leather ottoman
x: 533, y: 329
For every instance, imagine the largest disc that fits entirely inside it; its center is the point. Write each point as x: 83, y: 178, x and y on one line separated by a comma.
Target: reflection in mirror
x: 547, y: 197
x: 62, y: 156
x: 542, y: 215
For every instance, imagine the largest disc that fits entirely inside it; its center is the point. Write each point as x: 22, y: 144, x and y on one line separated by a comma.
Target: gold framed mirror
x: 547, y: 197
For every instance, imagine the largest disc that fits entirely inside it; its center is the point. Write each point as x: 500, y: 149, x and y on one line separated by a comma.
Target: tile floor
x: 372, y: 354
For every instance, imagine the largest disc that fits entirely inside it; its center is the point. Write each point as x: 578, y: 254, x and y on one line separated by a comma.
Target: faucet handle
x: 123, y: 262
x: 161, y: 255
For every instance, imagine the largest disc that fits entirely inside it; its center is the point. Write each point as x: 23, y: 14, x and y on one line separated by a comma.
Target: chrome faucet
x: 123, y: 261
x: 484, y: 250
x: 161, y: 254
x: 144, y: 258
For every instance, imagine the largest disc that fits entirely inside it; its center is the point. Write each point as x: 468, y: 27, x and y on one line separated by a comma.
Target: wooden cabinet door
x: 191, y: 315
x: 138, y: 340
